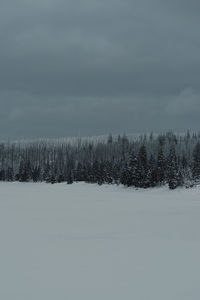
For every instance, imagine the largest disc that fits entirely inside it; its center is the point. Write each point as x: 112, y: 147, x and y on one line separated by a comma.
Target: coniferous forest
x: 143, y: 161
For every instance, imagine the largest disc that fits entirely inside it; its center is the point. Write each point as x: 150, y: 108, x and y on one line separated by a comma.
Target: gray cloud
x: 185, y: 104
x: 93, y: 67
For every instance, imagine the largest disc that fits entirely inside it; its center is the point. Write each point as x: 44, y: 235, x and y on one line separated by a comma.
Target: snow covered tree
x: 196, y: 162
x: 172, y: 169
x: 161, y: 166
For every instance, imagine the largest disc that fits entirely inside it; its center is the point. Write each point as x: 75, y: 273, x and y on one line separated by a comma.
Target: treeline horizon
x: 142, y: 161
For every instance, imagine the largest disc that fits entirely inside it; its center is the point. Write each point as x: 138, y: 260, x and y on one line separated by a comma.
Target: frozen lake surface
x: 85, y: 242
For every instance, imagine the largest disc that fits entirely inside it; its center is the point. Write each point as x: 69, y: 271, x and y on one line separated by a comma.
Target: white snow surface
x: 85, y: 242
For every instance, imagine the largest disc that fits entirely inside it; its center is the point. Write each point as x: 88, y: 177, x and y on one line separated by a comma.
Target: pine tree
x: 196, y: 162
x: 25, y: 171
x: 2, y: 175
x: 142, y: 157
x: 140, y: 172
x: 47, y: 172
x: 9, y: 174
x: 152, y: 172
x: 60, y: 178
x: 70, y: 178
x: 126, y: 176
x: 133, y: 170
x: 160, y: 166
x: 173, y: 180
x: 36, y: 174
x: 138, y: 176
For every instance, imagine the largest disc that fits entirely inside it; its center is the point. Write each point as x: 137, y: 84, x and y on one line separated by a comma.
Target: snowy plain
x: 89, y: 242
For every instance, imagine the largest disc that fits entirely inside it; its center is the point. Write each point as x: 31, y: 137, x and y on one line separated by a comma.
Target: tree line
x: 143, y: 161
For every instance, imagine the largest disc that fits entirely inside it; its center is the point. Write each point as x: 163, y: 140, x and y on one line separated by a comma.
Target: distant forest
x: 143, y: 161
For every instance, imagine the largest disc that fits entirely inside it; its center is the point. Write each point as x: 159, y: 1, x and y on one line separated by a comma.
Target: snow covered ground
x: 85, y: 242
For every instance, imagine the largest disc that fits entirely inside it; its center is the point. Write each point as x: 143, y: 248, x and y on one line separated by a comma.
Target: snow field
x: 88, y: 242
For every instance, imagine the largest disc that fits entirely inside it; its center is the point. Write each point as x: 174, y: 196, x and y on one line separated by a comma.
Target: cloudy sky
x: 90, y: 67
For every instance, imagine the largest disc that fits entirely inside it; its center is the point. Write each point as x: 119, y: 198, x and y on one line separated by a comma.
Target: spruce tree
x: 161, y: 166
x: 172, y: 169
x: 196, y: 162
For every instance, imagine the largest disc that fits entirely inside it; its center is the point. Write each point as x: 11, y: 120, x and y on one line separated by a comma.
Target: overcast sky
x: 90, y: 67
